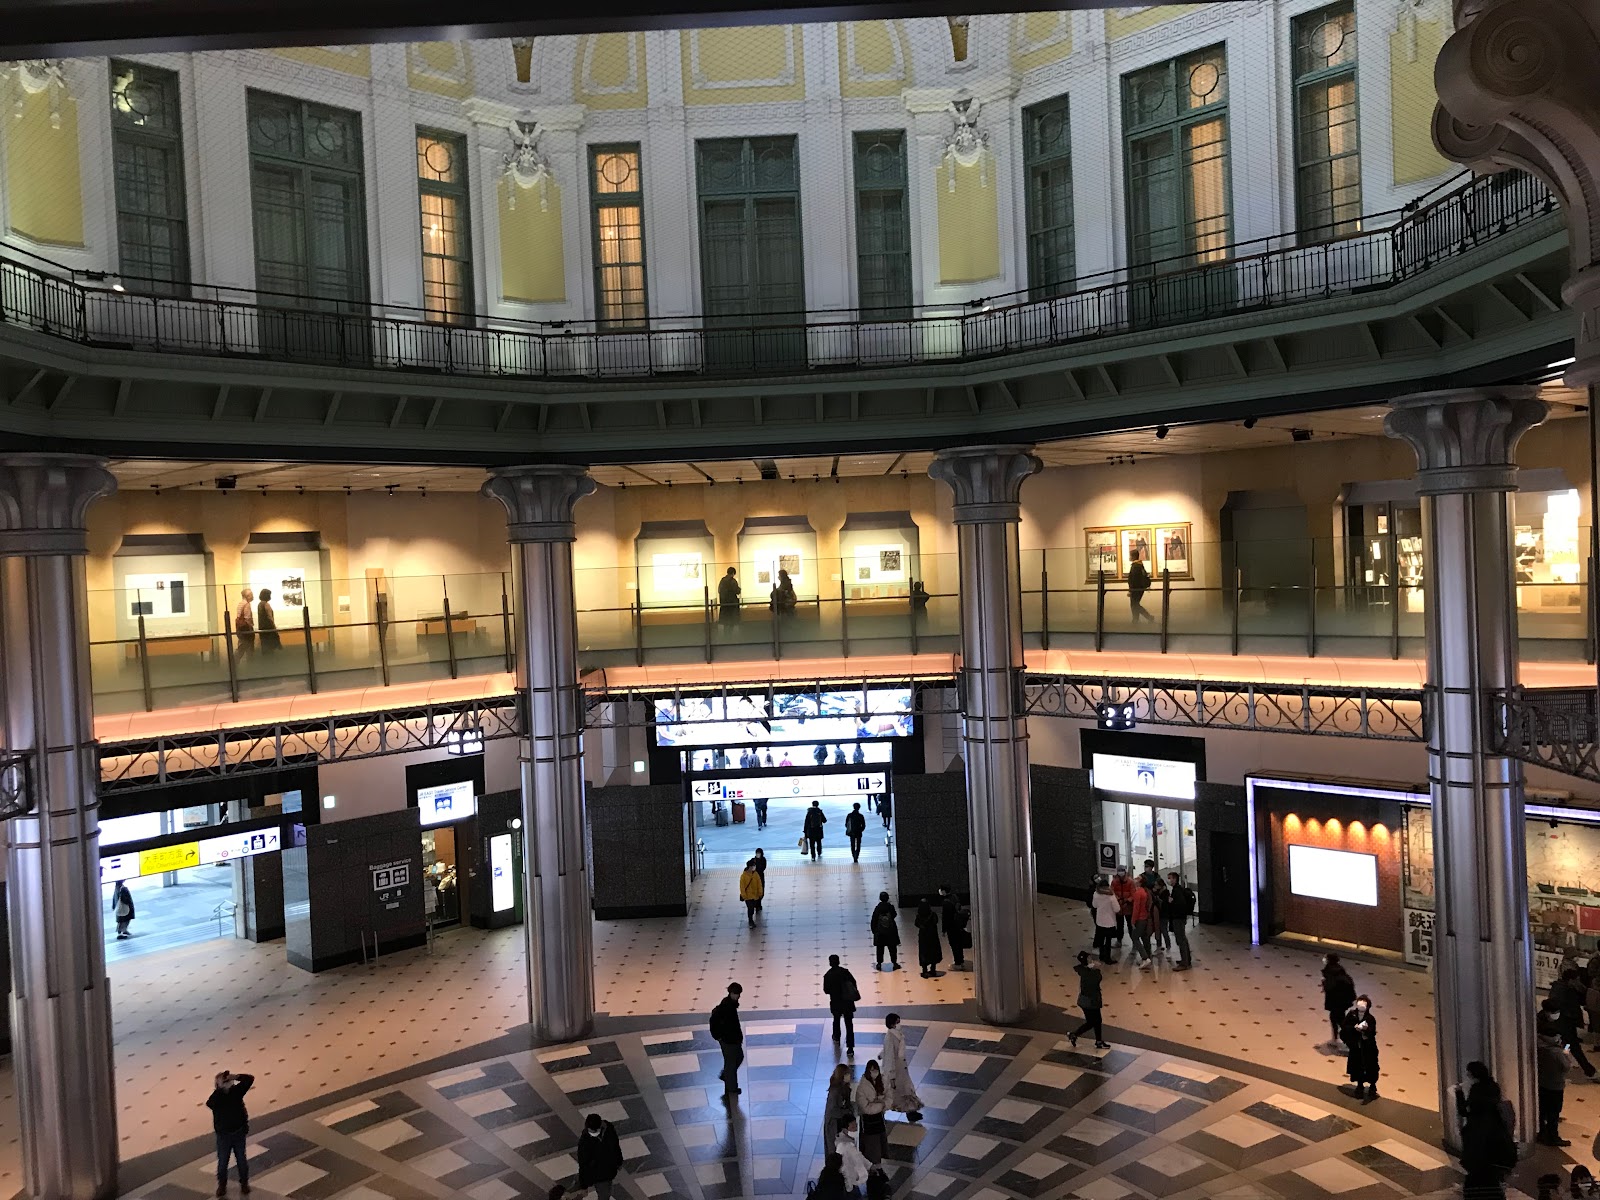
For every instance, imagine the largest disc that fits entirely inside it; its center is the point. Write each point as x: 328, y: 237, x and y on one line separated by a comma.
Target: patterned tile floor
x: 1009, y: 1114
x: 316, y: 1040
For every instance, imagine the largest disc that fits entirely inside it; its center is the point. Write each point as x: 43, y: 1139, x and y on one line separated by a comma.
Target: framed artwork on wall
x: 1172, y: 551
x: 1102, y: 550
x: 1136, y: 541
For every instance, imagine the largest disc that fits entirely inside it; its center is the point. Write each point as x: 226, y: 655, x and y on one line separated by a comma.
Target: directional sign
x: 239, y: 845
x: 865, y: 783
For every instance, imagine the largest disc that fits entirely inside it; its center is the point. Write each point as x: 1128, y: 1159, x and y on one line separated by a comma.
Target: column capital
x: 44, y: 502
x: 1466, y: 439
x: 987, y: 480
x: 539, y: 499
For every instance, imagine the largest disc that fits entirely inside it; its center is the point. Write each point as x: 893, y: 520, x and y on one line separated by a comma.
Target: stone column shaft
x: 539, y: 502
x: 987, y: 481
x: 60, y: 1006
x: 1483, y: 962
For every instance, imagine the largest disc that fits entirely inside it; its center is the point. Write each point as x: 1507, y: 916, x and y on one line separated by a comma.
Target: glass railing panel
x: 1552, y: 611
x: 187, y: 670
x: 1280, y: 612
x: 1353, y: 612
x: 116, y: 678
x: 1198, y: 612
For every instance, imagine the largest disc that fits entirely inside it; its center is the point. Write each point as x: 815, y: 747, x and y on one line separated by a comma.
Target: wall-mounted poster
x: 1172, y: 551
x: 157, y: 596
x: 1102, y: 553
x: 677, y: 572
x: 1135, y: 541
x: 288, y: 587
x: 881, y: 563
x: 790, y: 562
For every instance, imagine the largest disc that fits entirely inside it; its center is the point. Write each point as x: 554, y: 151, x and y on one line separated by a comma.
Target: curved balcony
x: 99, y: 310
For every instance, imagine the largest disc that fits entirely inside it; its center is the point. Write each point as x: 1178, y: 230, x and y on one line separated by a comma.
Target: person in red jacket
x: 1142, y: 918
x: 1122, y: 887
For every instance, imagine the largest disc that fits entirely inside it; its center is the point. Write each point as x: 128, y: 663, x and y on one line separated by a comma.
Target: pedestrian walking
x: 886, y: 932
x: 231, y: 1123
x: 871, y: 1102
x: 244, y: 623
x: 839, y: 985
x: 954, y: 918
x: 761, y: 805
x: 728, y: 590
x: 839, y: 759
x: 859, y: 754
x: 751, y: 889
x: 815, y: 820
x: 760, y: 861
x: 729, y: 1035
x: 1567, y: 993
x: 855, y: 828
x: 1122, y: 887
x: 123, y: 909
x: 839, y: 1106
x: 1141, y: 915
x: 267, y: 624
x: 1360, y: 1033
x: 902, y: 1093
x: 1552, y: 1084
x: 599, y: 1156
x: 1107, y: 919
x: 1138, y: 585
x: 821, y: 755
x: 1338, y: 995
x: 928, y: 952
x: 1180, y: 908
x: 885, y: 808
x: 1089, y: 1000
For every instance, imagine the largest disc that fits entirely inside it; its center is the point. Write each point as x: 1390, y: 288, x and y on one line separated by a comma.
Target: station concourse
x: 459, y: 496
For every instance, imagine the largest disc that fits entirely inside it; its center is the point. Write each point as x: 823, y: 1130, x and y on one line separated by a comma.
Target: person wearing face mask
x: 599, y: 1156
x: 1360, y: 1033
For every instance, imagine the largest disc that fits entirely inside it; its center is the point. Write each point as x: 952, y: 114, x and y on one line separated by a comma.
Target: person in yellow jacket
x: 751, y: 889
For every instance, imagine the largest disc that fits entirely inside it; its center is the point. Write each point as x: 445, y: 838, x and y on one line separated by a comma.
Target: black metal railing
x: 1556, y: 728
x: 100, y: 310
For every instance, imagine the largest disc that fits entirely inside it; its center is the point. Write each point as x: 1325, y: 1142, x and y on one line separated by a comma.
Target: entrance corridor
x: 1205, y: 1068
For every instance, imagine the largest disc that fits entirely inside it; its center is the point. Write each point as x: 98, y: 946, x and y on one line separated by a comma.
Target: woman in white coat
x: 897, y: 1072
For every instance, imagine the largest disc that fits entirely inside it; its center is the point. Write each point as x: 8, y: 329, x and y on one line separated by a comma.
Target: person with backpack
x: 729, y: 1036
x: 886, y: 932
x: 830, y: 1184
x: 751, y: 890
x: 840, y: 988
x: 1180, y: 908
x: 855, y: 828
x: 1138, y: 585
x: 1338, y: 994
x: 815, y: 820
x: 599, y: 1156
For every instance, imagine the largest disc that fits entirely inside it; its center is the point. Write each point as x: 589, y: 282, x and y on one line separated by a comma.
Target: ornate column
x: 1465, y: 443
x: 987, y: 481
x: 61, y: 1007
x: 539, y: 502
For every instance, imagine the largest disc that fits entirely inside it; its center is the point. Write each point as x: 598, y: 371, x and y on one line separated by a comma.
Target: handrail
x: 312, y: 331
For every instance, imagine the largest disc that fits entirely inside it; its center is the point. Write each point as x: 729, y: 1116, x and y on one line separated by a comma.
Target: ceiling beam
x: 27, y: 388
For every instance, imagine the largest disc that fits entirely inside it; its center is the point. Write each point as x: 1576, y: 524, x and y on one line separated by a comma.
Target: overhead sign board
x: 239, y: 845
x: 863, y: 783
x: 169, y: 858
x: 205, y: 852
x: 1161, y: 777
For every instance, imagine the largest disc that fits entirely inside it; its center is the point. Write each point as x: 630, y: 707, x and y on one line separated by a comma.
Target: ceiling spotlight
x: 157, y: 488
x: 226, y: 483
x: 1161, y: 432
x: 299, y: 489
x: 424, y: 492
x: 1249, y: 422
x: 390, y: 489
x: 1300, y: 435
x: 263, y: 488
x: 347, y: 489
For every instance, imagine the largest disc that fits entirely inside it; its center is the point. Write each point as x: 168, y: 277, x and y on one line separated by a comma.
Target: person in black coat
x: 928, y: 952
x: 815, y: 820
x: 1568, y: 993
x: 855, y: 828
x: 1089, y: 1000
x: 955, y: 926
x: 1488, y: 1147
x: 830, y: 1183
x: 231, y: 1122
x: 842, y: 992
x: 886, y: 931
x: 1360, y: 1033
x: 122, y: 908
x: 1338, y: 994
x: 599, y: 1156
x: 267, y: 624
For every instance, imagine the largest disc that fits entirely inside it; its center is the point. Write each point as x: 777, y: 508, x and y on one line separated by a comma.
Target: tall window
x: 618, y: 199
x: 1175, y: 130
x: 1047, y: 164
x: 1327, y: 142
x: 883, y: 227
x: 446, y: 227
x: 147, y: 159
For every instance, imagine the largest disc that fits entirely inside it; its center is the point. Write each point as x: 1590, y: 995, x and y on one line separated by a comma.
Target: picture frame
x: 1173, y: 546
x: 1102, y: 553
x: 1136, y: 539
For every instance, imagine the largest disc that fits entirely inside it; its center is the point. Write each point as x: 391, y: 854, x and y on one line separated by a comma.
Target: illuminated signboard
x: 117, y: 867
x: 239, y: 845
x: 169, y: 858
x: 1160, y: 777
x: 446, y: 803
x: 206, y: 852
x: 1341, y: 875
x: 502, y: 886
x: 743, y: 720
x: 867, y: 783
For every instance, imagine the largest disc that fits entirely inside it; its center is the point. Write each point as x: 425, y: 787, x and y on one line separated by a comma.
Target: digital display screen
x: 1161, y: 777
x: 755, y: 758
x: 867, y: 783
x: 830, y: 717
x: 1341, y: 875
x: 502, y: 887
x: 446, y: 803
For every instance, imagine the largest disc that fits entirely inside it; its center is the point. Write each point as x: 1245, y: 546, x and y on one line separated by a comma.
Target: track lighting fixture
x: 1161, y: 432
x: 390, y: 489
x: 1249, y: 422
